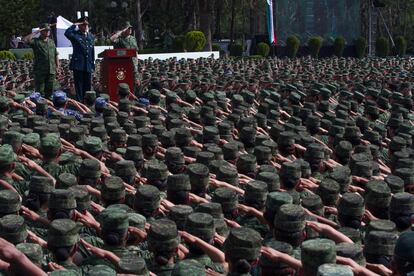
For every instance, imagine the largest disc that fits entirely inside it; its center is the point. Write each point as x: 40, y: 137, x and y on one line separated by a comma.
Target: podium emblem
x: 120, y: 74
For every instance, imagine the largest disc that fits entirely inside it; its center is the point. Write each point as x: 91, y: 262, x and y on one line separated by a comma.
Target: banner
x: 270, y: 24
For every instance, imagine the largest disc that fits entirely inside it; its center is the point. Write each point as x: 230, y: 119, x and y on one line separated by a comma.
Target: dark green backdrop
x: 326, y: 18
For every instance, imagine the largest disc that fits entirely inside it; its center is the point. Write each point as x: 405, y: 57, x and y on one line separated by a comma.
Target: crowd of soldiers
x: 211, y: 167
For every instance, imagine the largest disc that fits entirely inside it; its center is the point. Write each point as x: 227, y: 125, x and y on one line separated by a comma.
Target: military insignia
x: 120, y: 74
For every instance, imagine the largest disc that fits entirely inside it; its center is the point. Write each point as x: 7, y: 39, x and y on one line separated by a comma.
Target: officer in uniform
x: 124, y: 39
x: 82, y: 62
x: 46, y: 60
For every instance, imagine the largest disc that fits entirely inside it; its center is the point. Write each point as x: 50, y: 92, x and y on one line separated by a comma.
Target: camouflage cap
x: 125, y: 168
x: 101, y: 270
x: 406, y: 174
x: 137, y: 220
x: 13, y: 229
x: 216, y: 211
x: 156, y: 171
x: 179, y: 214
x: 313, y: 203
x: 149, y: 140
x: 246, y: 163
x: 41, y: 184
x: 113, y: 220
x: 199, y: 175
x: 205, y: 157
x: 379, y: 243
x: 178, y: 182
x: 147, y: 197
x: 271, y: 179
x: 63, y: 233
x: 188, y: 267
x: 93, y: 144
x: 32, y: 251
x: 353, y: 251
x: 134, y: 153
x: 242, y: 243
x: 290, y: 218
x: 90, y: 168
x: 163, y: 235
x: 401, y: 204
x: 334, y: 270
x: 291, y: 170
x: 66, y: 180
x: 329, y: 190
x: 50, y: 144
x: 377, y: 195
x: 317, y: 252
x: 10, y: 202
x: 7, y: 155
x: 82, y: 196
x: 69, y: 272
x: 351, y: 204
x: 227, y: 198
x: 256, y: 191
x: 13, y: 138
x: 32, y: 139
x: 113, y: 188
x: 200, y: 225
x: 62, y: 199
x: 132, y: 264
x: 228, y: 174
x: 381, y: 225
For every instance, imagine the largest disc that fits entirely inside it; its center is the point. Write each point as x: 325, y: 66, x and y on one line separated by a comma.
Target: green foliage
x: 339, y: 46
x: 401, y: 45
x: 28, y: 56
x: 382, y: 47
x: 7, y: 55
x: 360, y: 47
x: 178, y: 44
x: 151, y: 51
x: 195, y: 41
x: 315, y: 44
x: 263, y: 49
x: 236, y: 50
x: 216, y: 47
x: 292, y: 43
x: 17, y: 17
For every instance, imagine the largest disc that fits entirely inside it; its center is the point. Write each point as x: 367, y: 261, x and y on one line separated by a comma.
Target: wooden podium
x: 117, y: 67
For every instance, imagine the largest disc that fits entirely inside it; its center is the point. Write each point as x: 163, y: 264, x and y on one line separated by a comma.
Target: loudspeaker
x: 379, y: 3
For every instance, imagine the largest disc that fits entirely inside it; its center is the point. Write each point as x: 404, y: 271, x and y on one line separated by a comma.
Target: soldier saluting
x: 46, y: 60
x: 83, y: 57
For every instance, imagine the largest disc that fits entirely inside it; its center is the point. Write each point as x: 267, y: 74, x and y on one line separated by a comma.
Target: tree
x: 206, y: 9
x: 17, y: 17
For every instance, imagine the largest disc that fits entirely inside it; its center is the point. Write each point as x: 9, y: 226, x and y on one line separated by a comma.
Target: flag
x: 270, y: 25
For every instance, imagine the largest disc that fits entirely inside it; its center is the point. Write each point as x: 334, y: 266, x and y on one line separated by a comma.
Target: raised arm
x: 70, y: 32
